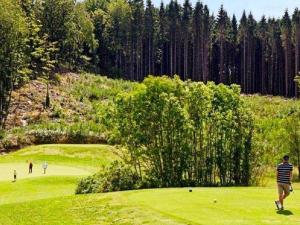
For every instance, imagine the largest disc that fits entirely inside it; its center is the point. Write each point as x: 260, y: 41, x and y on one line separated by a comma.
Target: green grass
x: 50, y: 199
x: 233, y: 205
x: 66, y: 165
x: 94, y: 87
x: 31, y: 189
x: 265, y: 107
x: 165, y: 206
x: 6, y: 171
x: 88, y: 156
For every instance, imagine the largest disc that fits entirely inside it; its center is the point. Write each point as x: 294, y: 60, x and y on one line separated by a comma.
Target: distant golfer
x: 284, y: 177
x: 45, y: 166
x: 30, y: 167
x: 15, y: 175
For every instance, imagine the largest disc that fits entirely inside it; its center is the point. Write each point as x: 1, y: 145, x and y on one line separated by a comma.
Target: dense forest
x: 130, y: 40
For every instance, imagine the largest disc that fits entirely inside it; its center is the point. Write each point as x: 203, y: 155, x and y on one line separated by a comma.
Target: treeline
x: 137, y: 40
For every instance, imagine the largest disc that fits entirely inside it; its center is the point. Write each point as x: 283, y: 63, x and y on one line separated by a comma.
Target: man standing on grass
x: 15, y: 175
x: 45, y: 166
x: 30, y: 167
x: 284, y: 177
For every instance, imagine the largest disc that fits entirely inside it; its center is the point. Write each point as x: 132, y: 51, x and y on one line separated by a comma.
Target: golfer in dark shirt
x: 30, y: 167
x: 284, y: 177
x: 15, y: 175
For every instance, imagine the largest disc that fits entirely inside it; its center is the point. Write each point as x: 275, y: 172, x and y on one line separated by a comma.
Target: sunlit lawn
x: 50, y: 199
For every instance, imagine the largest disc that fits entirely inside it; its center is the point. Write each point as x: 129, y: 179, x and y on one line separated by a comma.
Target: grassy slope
x: 78, y: 104
x: 50, y: 200
x: 270, y: 141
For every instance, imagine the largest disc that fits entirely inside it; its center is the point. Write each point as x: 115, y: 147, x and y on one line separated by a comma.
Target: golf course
x: 147, y: 112
x: 50, y: 198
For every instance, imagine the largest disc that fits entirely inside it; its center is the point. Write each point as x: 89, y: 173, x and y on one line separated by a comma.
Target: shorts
x: 283, y: 188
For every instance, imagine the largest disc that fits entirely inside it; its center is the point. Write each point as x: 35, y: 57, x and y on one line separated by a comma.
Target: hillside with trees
x: 130, y: 40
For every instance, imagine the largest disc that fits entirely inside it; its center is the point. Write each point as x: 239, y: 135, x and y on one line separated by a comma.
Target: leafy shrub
x: 44, y: 136
x: 87, y: 185
x: 2, y: 133
x: 55, y: 79
x: 65, y: 136
x: 186, y: 133
x: 57, y: 112
x: 117, y: 177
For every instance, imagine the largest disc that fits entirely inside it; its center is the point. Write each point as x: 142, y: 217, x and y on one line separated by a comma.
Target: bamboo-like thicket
x: 185, y: 133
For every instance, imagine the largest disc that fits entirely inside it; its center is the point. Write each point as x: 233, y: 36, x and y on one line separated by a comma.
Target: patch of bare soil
x: 28, y: 102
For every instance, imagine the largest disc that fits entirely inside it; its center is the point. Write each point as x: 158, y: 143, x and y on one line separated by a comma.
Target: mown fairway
x: 49, y: 199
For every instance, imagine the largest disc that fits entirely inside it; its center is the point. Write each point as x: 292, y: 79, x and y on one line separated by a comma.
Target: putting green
x: 7, y: 171
x: 89, y: 157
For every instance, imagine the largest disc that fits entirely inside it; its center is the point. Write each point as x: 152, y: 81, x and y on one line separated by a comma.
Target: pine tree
x: 206, y: 44
x: 186, y: 34
x: 276, y: 81
x: 286, y: 28
x: 222, y: 27
x: 118, y: 32
x: 296, y: 29
x: 233, y: 52
x: 251, y: 61
x: 174, y: 32
x: 136, y: 39
x: 243, y: 37
x: 263, y: 72
x: 149, y: 39
x: 161, y: 51
x: 197, y: 28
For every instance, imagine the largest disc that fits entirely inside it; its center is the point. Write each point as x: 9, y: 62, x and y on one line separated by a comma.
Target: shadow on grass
x: 285, y: 212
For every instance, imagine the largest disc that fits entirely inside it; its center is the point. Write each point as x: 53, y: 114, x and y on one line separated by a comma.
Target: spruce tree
x: 286, y: 29
x: 261, y: 85
x: 197, y: 28
x: 149, y: 39
x: 296, y: 34
x: 186, y: 35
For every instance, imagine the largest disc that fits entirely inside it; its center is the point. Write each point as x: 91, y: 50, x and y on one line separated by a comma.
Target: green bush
x: 87, y: 185
x: 117, y: 177
x: 65, y: 136
x: 45, y: 136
